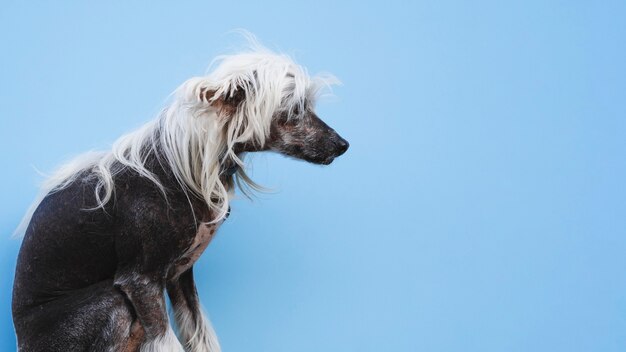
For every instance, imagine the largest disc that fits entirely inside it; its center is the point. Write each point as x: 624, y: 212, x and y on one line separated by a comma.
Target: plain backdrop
x: 481, y: 206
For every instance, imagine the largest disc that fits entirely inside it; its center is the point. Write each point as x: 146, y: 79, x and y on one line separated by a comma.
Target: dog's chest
x: 203, y: 237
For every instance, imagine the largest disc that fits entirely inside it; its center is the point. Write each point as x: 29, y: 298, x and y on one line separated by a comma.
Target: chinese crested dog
x: 114, y: 231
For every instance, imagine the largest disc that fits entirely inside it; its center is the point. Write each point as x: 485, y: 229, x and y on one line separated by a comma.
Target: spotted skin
x: 203, y: 237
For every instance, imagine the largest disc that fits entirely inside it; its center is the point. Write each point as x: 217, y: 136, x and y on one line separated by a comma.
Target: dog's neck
x: 228, y: 169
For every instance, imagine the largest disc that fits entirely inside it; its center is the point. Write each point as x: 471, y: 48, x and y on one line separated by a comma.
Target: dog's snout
x: 342, y: 145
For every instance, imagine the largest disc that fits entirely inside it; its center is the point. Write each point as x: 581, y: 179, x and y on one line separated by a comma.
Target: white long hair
x: 193, y: 135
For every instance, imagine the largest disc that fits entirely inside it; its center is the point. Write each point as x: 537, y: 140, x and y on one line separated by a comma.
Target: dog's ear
x: 236, y: 98
x: 227, y: 104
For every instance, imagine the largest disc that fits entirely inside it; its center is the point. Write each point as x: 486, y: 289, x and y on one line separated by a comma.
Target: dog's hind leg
x: 123, y: 331
x: 95, y: 318
x: 194, y: 328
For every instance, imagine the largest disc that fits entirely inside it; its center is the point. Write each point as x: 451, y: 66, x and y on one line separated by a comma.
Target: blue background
x: 481, y: 206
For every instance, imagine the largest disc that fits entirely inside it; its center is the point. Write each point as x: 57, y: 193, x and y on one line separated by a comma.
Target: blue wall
x: 481, y: 206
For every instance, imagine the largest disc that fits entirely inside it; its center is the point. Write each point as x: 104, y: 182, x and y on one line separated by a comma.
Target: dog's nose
x: 342, y: 146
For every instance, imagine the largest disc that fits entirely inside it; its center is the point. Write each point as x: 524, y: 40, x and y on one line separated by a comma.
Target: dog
x: 115, y: 231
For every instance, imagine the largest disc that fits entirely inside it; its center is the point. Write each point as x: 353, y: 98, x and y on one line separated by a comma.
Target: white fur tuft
x: 198, y: 334
x: 165, y: 343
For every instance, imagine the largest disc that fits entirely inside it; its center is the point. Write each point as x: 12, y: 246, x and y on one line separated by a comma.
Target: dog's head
x: 267, y: 103
x: 252, y: 101
x: 303, y: 135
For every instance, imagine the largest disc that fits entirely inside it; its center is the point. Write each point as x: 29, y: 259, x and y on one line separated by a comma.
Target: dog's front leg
x: 152, y: 236
x: 146, y: 294
x: 194, y: 328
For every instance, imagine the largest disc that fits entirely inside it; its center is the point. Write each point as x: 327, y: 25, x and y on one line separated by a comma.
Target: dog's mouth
x: 322, y: 160
x: 327, y: 161
x: 316, y: 160
x: 313, y: 155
